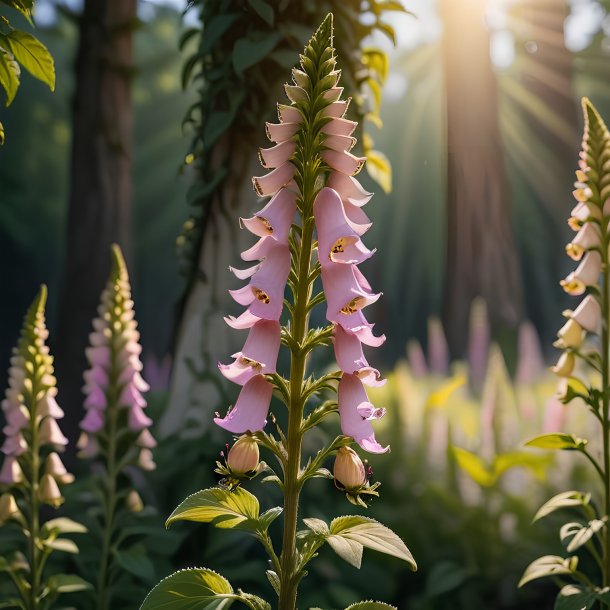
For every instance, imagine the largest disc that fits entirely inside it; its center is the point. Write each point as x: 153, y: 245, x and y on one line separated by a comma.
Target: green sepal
x: 549, y: 565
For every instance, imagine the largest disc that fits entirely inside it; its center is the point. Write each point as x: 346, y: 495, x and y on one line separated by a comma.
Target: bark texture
x: 481, y: 257
x: 100, y: 201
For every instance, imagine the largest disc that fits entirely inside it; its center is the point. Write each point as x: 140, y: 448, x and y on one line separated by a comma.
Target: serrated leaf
x: 9, y: 75
x: 224, y: 509
x: 32, y: 55
x: 474, y: 466
x: 193, y: 589
x: 274, y: 579
x: 248, y: 52
x: 566, y: 499
x: 549, y: 565
x: 371, y: 605
x: 62, y: 544
x: 254, y: 602
x: 67, y: 583
x: 556, y: 440
x: 348, y: 536
x: 579, y: 534
x: 379, y: 169
x: 317, y: 526
x: 575, y: 597
x: 263, y: 10
x: 63, y: 525
x: 269, y: 516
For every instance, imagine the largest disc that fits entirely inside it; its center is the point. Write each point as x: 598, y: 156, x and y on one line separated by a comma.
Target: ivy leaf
x: 580, y: 534
x: 549, y: 565
x: 249, y: 51
x: 557, y: 440
x: 566, y: 499
x: 263, y: 10
x: 575, y: 597
x: 67, y: 583
x: 350, y: 534
x: 193, y: 589
x: 9, y: 75
x: 370, y: 605
x: 379, y: 169
x: 32, y: 55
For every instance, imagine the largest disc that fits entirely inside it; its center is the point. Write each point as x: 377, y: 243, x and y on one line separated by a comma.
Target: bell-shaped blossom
x: 582, y: 213
x: 338, y: 242
x: 351, y: 360
x: 586, y: 274
x: 588, y: 314
x: 276, y: 155
x: 343, y: 161
x: 349, y: 189
x: 258, y: 356
x: 250, y: 411
x: 264, y: 294
x: 565, y: 365
x: 275, y: 218
x: 587, y: 237
x: 356, y: 413
x: 114, y: 380
x: 11, y: 473
x: 570, y: 335
x: 271, y: 183
x: 346, y: 291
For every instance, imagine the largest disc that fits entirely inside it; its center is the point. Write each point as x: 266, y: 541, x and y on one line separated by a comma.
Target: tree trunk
x: 481, y: 257
x: 101, y: 190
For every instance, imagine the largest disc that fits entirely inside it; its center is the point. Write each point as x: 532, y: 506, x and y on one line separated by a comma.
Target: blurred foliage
x: 34, y: 179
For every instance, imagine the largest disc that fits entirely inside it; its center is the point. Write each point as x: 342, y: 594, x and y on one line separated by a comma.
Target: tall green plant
x: 310, y: 178
x: 585, y: 343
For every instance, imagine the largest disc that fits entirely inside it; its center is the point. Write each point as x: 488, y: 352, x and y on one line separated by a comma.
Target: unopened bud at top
x: 244, y: 455
x: 349, y: 470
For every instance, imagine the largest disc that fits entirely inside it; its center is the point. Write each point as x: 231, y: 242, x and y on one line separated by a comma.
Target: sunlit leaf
x: 579, y: 534
x: 62, y: 525
x: 549, y: 565
x: 566, y: 499
x: 62, y: 544
x: 370, y: 605
x: 9, y: 75
x: 439, y: 399
x: 474, y: 466
x: 67, y: 583
x: 379, y: 169
x: 556, y: 440
x: 32, y: 55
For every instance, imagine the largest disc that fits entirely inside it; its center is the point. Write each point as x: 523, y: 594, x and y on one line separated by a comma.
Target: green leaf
x: 274, y: 579
x: 317, y: 526
x: 580, y: 534
x: 25, y: 7
x: 254, y: 602
x: 248, y: 52
x: 348, y: 536
x: 67, y: 583
x: 575, y: 597
x: 193, y: 589
x: 446, y: 576
x: 32, y: 55
x: 11, y: 603
x: 566, y: 499
x: 62, y: 525
x: 62, y: 544
x: 379, y: 169
x: 370, y: 605
x: 224, y: 509
x: 263, y: 10
x: 135, y: 561
x: 549, y: 565
x: 269, y: 516
x: 215, y: 28
x: 556, y: 440
x: 474, y: 466
x: 1, y: 134
x: 9, y: 75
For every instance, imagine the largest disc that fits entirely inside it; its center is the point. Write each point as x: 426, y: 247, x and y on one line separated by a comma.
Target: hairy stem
x: 605, y: 346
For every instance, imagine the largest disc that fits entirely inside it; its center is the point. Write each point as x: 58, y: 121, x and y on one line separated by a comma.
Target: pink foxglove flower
x: 114, y: 386
x: 351, y: 360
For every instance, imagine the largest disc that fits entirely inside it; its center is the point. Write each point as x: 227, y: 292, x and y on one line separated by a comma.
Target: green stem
x: 34, y: 508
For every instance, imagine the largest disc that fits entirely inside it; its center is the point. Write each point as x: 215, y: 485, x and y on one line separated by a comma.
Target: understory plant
x: 32, y: 472
x: 309, y: 233
x: 584, y: 371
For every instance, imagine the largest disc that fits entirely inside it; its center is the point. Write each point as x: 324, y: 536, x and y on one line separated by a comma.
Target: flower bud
x: 49, y: 491
x: 565, y: 365
x: 55, y: 467
x: 244, y: 455
x: 134, y: 502
x: 145, y: 460
x: 349, y: 470
x: 8, y: 507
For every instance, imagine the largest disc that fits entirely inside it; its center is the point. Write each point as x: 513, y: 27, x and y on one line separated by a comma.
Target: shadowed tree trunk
x: 100, y: 190
x: 481, y: 256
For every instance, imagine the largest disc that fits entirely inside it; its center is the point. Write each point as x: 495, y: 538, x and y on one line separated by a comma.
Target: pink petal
x: 48, y: 406
x: 14, y: 445
x: 137, y: 420
x: 87, y: 445
x: 11, y: 472
x: 272, y: 182
x: 343, y: 161
x: 260, y: 249
x: 244, y: 274
x: 336, y: 109
x: 344, y: 292
x: 96, y: 376
x: 339, y: 127
x: 333, y: 94
x: 276, y: 155
x: 351, y: 360
x: 337, y: 241
x: 50, y: 433
x: 258, y: 356
x: 280, y: 132
x: 96, y: 398
x: 93, y: 421
x: 353, y: 402
x: 339, y: 143
x: 146, y: 439
x: 130, y: 396
x: 269, y: 282
x: 275, y: 218
x: 289, y: 114
x: 349, y: 189
x: 243, y: 296
x: 246, y: 320
x: 250, y: 410
x: 99, y: 356
x: 588, y: 314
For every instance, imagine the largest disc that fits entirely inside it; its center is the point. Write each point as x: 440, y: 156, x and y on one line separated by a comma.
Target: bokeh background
x: 480, y: 121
